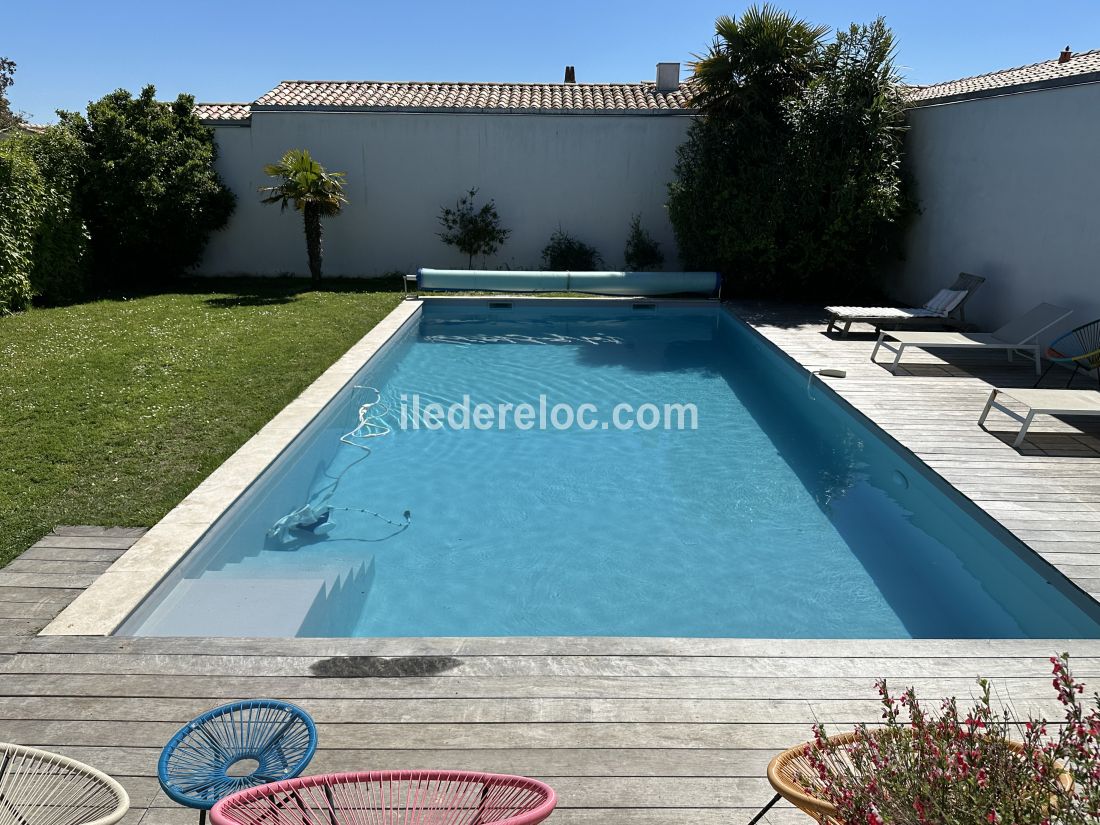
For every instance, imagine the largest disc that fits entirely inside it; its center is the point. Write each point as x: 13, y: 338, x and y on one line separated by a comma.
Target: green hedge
x: 22, y: 203
x: 59, y: 274
x: 42, y: 237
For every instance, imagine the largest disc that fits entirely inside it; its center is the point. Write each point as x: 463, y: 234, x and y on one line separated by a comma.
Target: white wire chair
x: 42, y: 788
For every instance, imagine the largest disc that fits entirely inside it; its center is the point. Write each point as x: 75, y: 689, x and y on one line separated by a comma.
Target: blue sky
x: 71, y: 52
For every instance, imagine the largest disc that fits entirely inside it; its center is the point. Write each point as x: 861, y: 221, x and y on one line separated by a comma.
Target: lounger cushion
x: 946, y: 300
x: 931, y: 340
x: 881, y: 313
x: 1032, y: 324
x: 1057, y: 402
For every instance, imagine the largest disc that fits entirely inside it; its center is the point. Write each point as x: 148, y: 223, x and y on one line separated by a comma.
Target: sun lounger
x: 1020, y: 335
x: 947, y: 306
x: 1042, y: 402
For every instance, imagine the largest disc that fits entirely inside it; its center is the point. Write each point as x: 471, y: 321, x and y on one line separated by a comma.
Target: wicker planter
x: 785, y: 770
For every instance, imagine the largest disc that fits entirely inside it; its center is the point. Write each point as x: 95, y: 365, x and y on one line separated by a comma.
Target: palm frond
x: 303, y: 180
x: 764, y: 54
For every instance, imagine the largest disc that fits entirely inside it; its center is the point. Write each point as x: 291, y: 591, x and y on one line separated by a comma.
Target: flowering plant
x: 953, y: 768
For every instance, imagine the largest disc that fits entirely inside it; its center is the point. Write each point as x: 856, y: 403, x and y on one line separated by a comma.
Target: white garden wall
x: 1008, y: 188
x: 587, y: 172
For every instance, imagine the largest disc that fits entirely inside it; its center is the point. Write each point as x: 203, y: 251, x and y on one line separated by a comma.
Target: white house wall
x: 1008, y: 189
x: 588, y: 173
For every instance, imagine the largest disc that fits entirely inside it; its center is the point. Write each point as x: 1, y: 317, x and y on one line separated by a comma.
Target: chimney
x: 1065, y: 55
x: 570, y: 74
x: 668, y: 77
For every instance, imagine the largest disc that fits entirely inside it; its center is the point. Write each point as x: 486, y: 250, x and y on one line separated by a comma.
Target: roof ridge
x: 465, y: 83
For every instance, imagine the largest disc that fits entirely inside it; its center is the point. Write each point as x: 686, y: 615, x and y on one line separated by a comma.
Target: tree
x: 844, y: 158
x: 754, y: 62
x: 8, y: 118
x: 727, y: 203
x: 642, y: 252
x: 789, y: 183
x: 149, y: 193
x: 472, y: 231
x: 310, y: 189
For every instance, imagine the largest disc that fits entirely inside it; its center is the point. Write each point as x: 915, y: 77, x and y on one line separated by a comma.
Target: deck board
x: 640, y: 731
x: 505, y: 688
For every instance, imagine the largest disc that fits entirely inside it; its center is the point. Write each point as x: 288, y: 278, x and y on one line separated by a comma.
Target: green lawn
x: 112, y: 411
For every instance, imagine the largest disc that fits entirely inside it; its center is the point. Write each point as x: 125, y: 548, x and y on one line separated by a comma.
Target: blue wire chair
x: 1080, y: 347
x: 234, y: 747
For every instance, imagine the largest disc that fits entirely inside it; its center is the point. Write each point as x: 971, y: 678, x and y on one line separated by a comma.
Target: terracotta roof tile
x: 508, y: 97
x: 1037, y: 75
x: 605, y: 98
x: 222, y: 112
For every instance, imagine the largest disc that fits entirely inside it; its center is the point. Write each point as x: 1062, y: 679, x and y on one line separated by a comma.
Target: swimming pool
x: 781, y: 514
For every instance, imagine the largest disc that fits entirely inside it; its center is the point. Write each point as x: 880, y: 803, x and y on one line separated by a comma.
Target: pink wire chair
x: 378, y: 797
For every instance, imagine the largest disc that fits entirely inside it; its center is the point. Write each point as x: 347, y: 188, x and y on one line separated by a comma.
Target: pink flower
x: 914, y: 762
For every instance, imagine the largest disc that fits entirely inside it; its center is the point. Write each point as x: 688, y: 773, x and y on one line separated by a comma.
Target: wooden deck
x: 1047, y: 492
x: 627, y: 730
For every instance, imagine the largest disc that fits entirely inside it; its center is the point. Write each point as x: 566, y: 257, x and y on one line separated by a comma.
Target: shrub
x: 946, y: 766
x: 472, y: 231
x: 59, y: 272
x: 564, y: 252
x: 790, y: 182
x: 150, y: 196
x: 642, y: 252
x: 22, y: 198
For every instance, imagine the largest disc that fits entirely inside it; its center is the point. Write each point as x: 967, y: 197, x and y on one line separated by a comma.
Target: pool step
x: 347, y: 585
x: 237, y: 607
x: 338, y: 613
x: 310, y: 590
x: 282, y: 565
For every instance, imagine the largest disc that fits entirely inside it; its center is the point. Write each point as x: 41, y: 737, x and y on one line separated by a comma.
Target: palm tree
x: 764, y: 56
x: 313, y: 191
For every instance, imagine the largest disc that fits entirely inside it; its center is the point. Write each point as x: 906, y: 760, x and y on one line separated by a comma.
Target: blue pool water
x: 782, y: 515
